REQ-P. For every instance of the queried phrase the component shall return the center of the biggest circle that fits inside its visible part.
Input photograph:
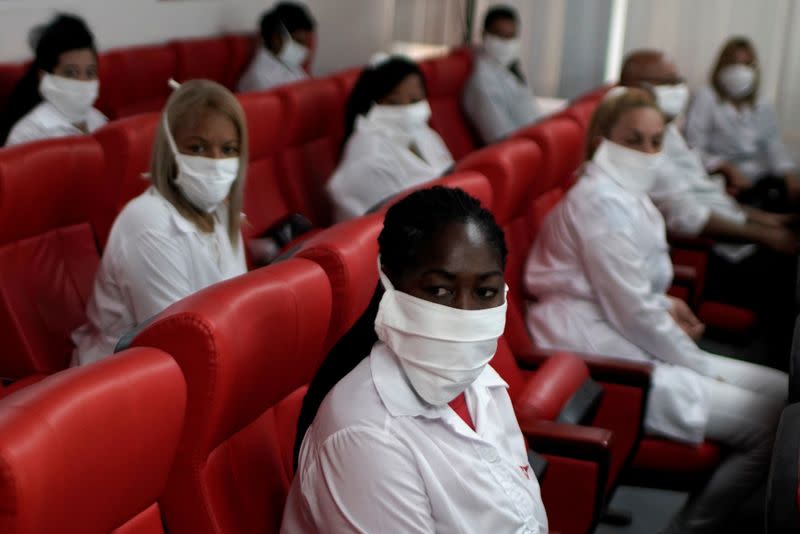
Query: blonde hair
(618, 102)
(727, 56)
(183, 109)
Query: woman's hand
(736, 181)
(686, 319)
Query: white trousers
(746, 403)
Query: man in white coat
(497, 99)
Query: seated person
(182, 234)
(55, 97)
(738, 132)
(286, 39)
(398, 421)
(389, 146)
(693, 204)
(600, 268)
(497, 99)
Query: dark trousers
(769, 193)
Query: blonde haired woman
(182, 234)
(600, 268)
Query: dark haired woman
(412, 430)
(738, 131)
(389, 145)
(55, 97)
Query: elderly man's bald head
(648, 68)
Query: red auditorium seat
(10, 74)
(344, 81)
(561, 140)
(127, 146)
(135, 80)
(245, 346)
(48, 250)
(207, 58)
(445, 78)
(241, 49)
(311, 147)
(88, 450)
(581, 112)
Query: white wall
(351, 32)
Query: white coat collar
(182, 223)
(270, 61)
(400, 398)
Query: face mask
(293, 53)
(672, 99)
(738, 80)
(205, 182)
(441, 349)
(504, 51)
(406, 119)
(633, 170)
(73, 98)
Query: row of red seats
(134, 80)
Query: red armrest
(685, 274)
(602, 368)
(582, 442)
(693, 243)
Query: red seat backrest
(10, 74)
(241, 49)
(561, 140)
(265, 196)
(311, 150)
(127, 146)
(344, 81)
(48, 253)
(473, 183)
(243, 345)
(135, 79)
(88, 450)
(581, 112)
(446, 78)
(207, 58)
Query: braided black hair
(376, 83)
(62, 34)
(408, 228)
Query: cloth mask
(504, 51)
(406, 119)
(635, 171)
(738, 80)
(72, 98)
(205, 182)
(293, 53)
(672, 99)
(441, 349)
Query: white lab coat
(686, 195)
(600, 268)
(267, 71)
(154, 257)
(378, 164)
(496, 102)
(749, 138)
(46, 122)
(379, 459)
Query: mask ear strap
(387, 284)
(168, 134)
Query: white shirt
(686, 195)
(154, 257)
(378, 164)
(379, 459)
(748, 138)
(45, 122)
(267, 71)
(496, 102)
(600, 268)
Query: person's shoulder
(35, 123)
(148, 212)
(597, 198)
(705, 94)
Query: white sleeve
(24, 131)
(698, 126)
(363, 185)
(615, 268)
(483, 108)
(156, 272)
(780, 161)
(682, 213)
(365, 481)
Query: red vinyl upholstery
(581, 112)
(10, 74)
(241, 49)
(561, 141)
(446, 78)
(48, 255)
(344, 81)
(203, 59)
(311, 150)
(127, 145)
(88, 450)
(244, 345)
(135, 79)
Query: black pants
(764, 282)
(769, 193)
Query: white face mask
(293, 53)
(633, 170)
(441, 349)
(504, 51)
(73, 98)
(205, 182)
(672, 99)
(406, 119)
(738, 80)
